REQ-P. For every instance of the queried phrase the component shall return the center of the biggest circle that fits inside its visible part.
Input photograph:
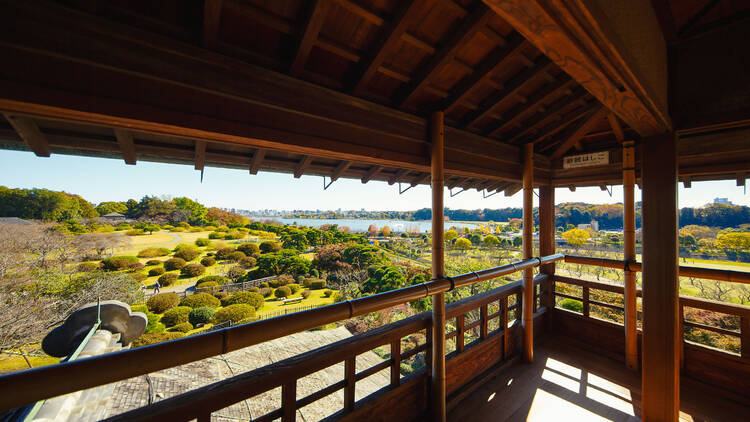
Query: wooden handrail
(34, 384)
(685, 271)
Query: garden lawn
(316, 298)
(12, 363)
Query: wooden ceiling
(397, 60)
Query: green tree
(491, 240)
(105, 208)
(463, 244)
(195, 211)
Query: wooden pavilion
(496, 95)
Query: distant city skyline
(100, 179)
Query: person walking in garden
(156, 287)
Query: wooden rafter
(303, 164)
(340, 169)
(468, 28)
(372, 172)
(127, 147)
(534, 103)
(312, 29)
(400, 174)
(690, 24)
(494, 60)
(394, 32)
(555, 108)
(564, 121)
(423, 178)
(541, 65)
(616, 127)
(200, 154)
(28, 130)
(211, 20)
(257, 161)
(512, 189)
(582, 127)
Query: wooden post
(660, 370)
(631, 319)
(527, 306)
(547, 241)
(437, 391)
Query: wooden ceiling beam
(534, 103)
(371, 173)
(339, 170)
(564, 121)
(594, 51)
(616, 127)
(211, 21)
(582, 128)
(553, 110)
(393, 33)
(200, 154)
(424, 178)
(512, 189)
(400, 174)
(312, 28)
(29, 132)
(303, 164)
(511, 88)
(466, 31)
(360, 11)
(497, 58)
(257, 161)
(127, 147)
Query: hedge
(327, 293)
(249, 249)
(167, 279)
(217, 278)
(572, 305)
(174, 264)
(153, 325)
(117, 263)
(251, 298)
(176, 315)
(305, 294)
(317, 284)
(161, 302)
(223, 253)
(138, 276)
(193, 270)
(215, 235)
(153, 252)
(156, 271)
(183, 327)
(139, 308)
(247, 262)
(208, 261)
(202, 241)
(236, 256)
(85, 267)
(282, 292)
(266, 291)
(270, 246)
(152, 338)
(187, 254)
(201, 315)
(236, 313)
(294, 287)
(200, 299)
(206, 284)
(153, 262)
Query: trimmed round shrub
(153, 252)
(251, 298)
(305, 294)
(282, 292)
(135, 232)
(266, 291)
(206, 284)
(156, 271)
(236, 256)
(221, 295)
(281, 280)
(270, 246)
(177, 229)
(202, 241)
(222, 229)
(327, 293)
(247, 262)
(138, 276)
(174, 264)
(85, 267)
(572, 305)
(176, 315)
(254, 289)
(338, 297)
(167, 279)
(135, 267)
(153, 338)
(219, 279)
(249, 249)
(195, 229)
(117, 263)
(187, 254)
(167, 227)
(200, 299)
(223, 253)
(153, 325)
(314, 273)
(234, 235)
(294, 287)
(235, 313)
(192, 270)
(300, 279)
(208, 261)
(151, 262)
(215, 235)
(183, 327)
(181, 246)
(161, 302)
(201, 315)
(317, 284)
(263, 284)
(139, 308)
(236, 272)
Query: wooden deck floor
(568, 383)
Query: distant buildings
(594, 226)
(723, 201)
(114, 217)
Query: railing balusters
(745, 337)
(396, 362)
(289, 401)
(484, 323)
(350, 367)
(460, 333)
(681, 335)
(586, 304)
(504, 322)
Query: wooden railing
(33, 385)
(740, 311)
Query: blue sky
(99, 179)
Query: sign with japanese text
(586, 160)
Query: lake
(357, 225)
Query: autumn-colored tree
(372, 230)
(450, 235)
(576, 237)
(386, 231)
(463, 243)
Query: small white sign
(586, 160)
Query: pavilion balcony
(578, 371)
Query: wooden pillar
(547, 241)
(660, 374)
(528, 248)
(631, 319)
(437, 391)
